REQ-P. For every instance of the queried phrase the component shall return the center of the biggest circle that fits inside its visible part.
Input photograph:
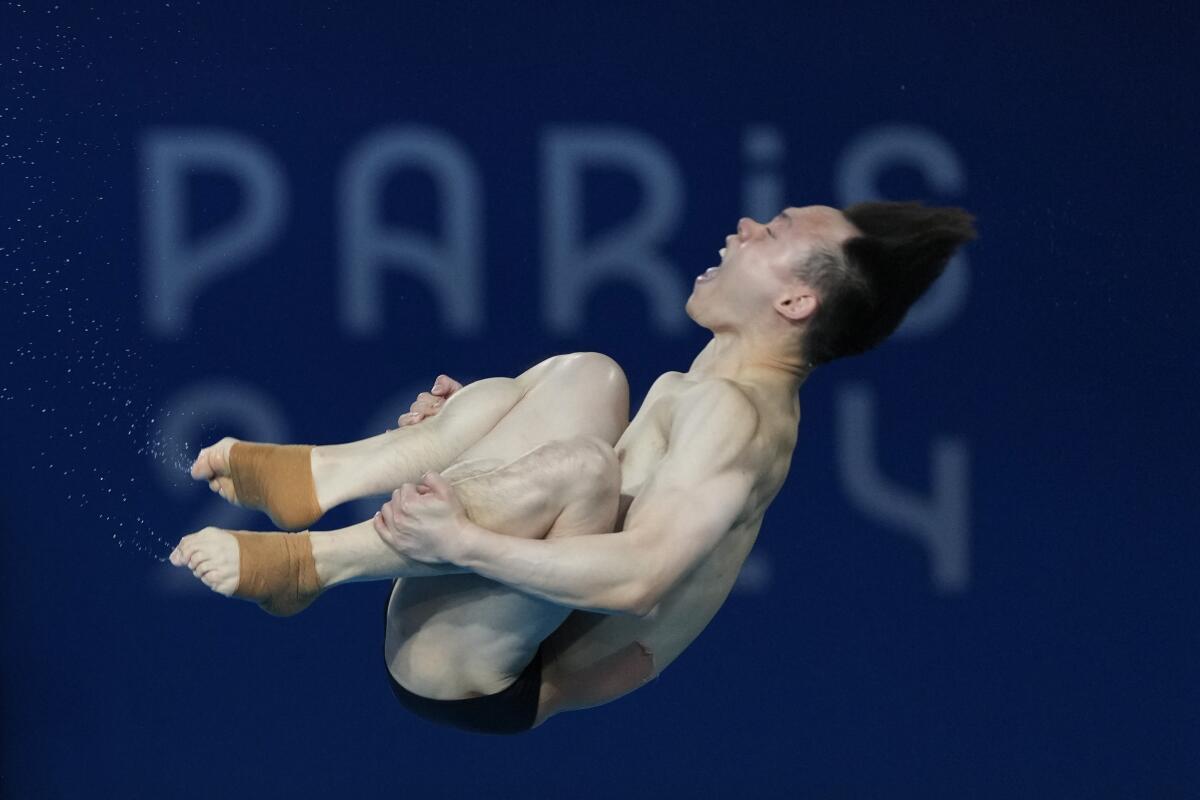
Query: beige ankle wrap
(277, 571)
(276, 479)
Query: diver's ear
(798, 304)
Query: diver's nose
(745, 227)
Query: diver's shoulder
(718, 387)
(727, 395)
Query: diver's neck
(740, 359)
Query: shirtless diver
(549, 554)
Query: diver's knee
(603, 376)
(594, 462)
(591, 476)
(596, 374)
(594, 366)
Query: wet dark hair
(867, 285)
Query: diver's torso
(687, 609)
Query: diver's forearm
(597, 572)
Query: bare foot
(212, 555)
(212, 465)
(276, 479)
(278, 568)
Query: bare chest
(641, 447)
(691, 604)
(586, 638)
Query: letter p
(174, 268)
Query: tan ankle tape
(276, 479)
(277, 571)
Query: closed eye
(770, 234)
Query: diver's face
(758, 261)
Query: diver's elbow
(626, 601)
(643, 602)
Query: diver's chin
(694, 313)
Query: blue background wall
(1030, 630)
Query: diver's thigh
(581, 394)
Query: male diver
(550, 555)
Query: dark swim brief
(512, 710)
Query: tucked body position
(548, 554)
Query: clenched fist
(422, 521)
